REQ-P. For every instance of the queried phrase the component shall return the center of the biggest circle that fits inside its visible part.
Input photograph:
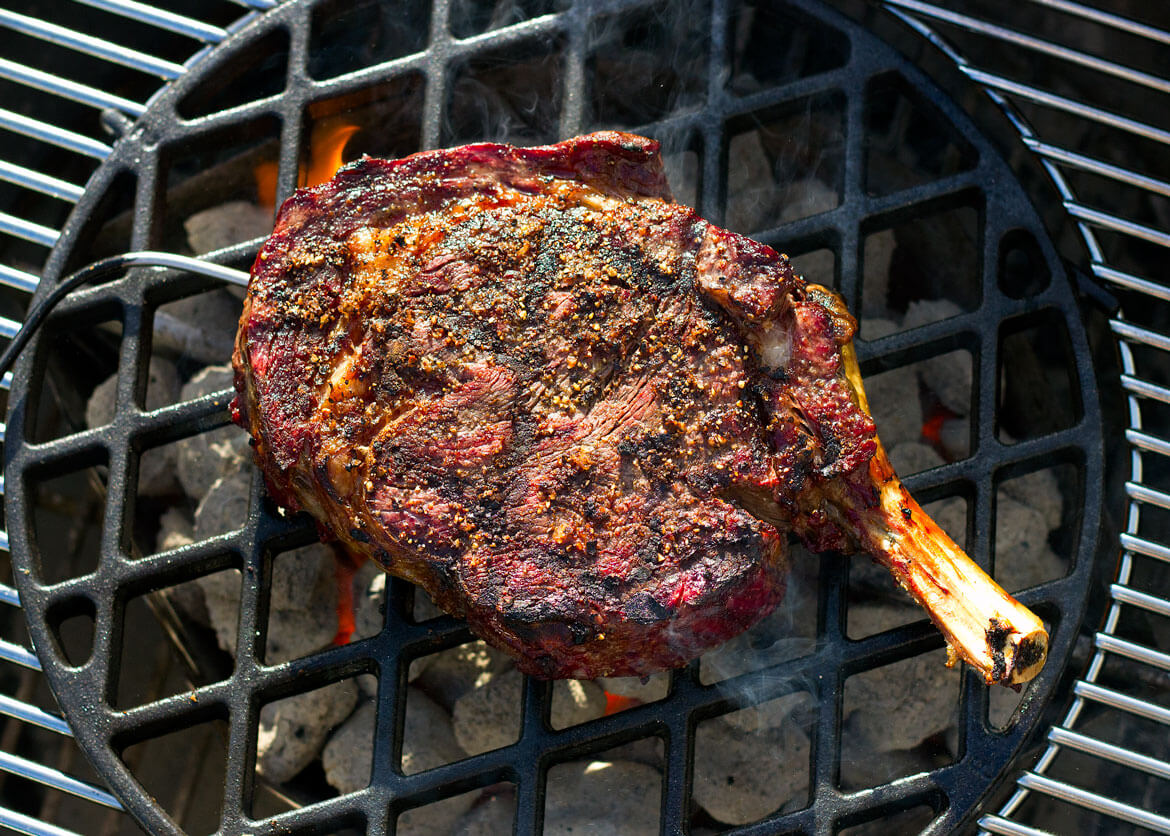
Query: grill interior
(456, 90)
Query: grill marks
(538, 397)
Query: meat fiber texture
(576, 413)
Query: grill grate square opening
(184, 773)
(225, 506)
(788, 633)
(490, 810)
(388, 118)
(304, 602)
(72, 623)
(1003, 705)
(151, 626)
(1037, 393)
(68, 510)
(188, 335)
(219, 188)
(899, 719)
(291, 733)
(1023, 270)
(349, 36)
(907, 141)
(610, 792)
(625, 692)
(785, 163)
(632, 79)
(755, 761)
(1033, 530)
(79, 381)
(240, 78)
(932, 271)
(428, 734)
(775, 45)
(922, 409)
(506, 95)
(446, 676)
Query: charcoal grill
(280, 51)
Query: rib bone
(996, 634)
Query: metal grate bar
(1107, 221)
(9, 596)
(1095, 166)
(16, 654)
(1140, 599)
(43, 183)
(31, 714)
(1140, 493)
(1137, 334)
(1140, 545)
(1007, 827)
(27, 824)
(8, 329)
(90, 45)
(1107, 751)
(1094, 801)
(1131, 282)
(27, 230)
(18, 279)
(55, 778)
(1145, 389)
(53, 135)
(1123, 702)
(1132, 650)
(180, 24)
(982, 27)
(1123, 24)
(1145, 441)
(73, 90)
(1043, 97)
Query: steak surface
(577, 414)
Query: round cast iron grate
(785, 121)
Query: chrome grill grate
(1141, 329)
(67, 159)
(1118, 654)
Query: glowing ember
(932, 426)
(344, 570)
(615, 703)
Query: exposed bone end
(983, 625)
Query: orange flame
(326, 145)
(327, 141)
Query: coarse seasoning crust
(577, 414)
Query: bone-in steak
(576, 413)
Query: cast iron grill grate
(711, 112)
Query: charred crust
(997, 635)
(1029, 653)
(553, 412)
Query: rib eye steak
(577, 414)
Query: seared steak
(576, 413)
